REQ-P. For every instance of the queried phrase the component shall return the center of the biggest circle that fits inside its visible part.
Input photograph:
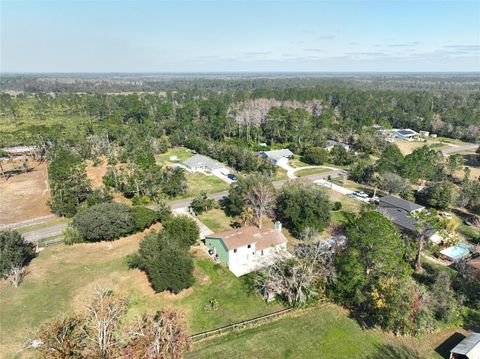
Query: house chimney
(278, 226)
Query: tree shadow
(444, 348)
(389, 351)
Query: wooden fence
(239, 325)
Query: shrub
(144, 217)
(14, 251)
(71, 235)
(201, 203)
(337, 206)
(163, 210)
(104, 222)
(182, 230)
(169, 266)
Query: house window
(235, 250)
(261, 252)
(249, 246)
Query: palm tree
(247, 216)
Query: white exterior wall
(247, 260)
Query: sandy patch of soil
(25, 196)
(95, 174)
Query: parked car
(232, 176)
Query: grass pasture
(324, 332)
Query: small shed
(468, 348)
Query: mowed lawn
(216, 220)
(62, 277)
(323, 332)
(182, 154)
(311, 171)
(199, 182)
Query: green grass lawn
(199, 182)
(216, 220)
(181, 152)
(297, 162)
(323, 332)
(280, 175)
(311, 171)
(61, 277)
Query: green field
(61, 277)
(198, 182)
(324, 332)
(311, 171)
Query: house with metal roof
(405, 134)
(244, 250)
(400, 211)
(395, 202)
(468, 348)
(200, 163)
(278, 157)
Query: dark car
(232, 176)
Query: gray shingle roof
(390, 201)
(277, 154)
(200, 161)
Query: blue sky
(200, 36)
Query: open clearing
(61, 277)
(407, 147)
(24, 196)
(95, 173)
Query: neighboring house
(278, 157)
(243, 250)
(400, 211)
(424, 133)
(405, 134)
(468, 348)
(200, 163)
(331, 144)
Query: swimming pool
(456, 252)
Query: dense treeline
(178, 82)
(305, 115)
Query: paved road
(29, 222)
(47, 232)
(56, 230)
(450, 150)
